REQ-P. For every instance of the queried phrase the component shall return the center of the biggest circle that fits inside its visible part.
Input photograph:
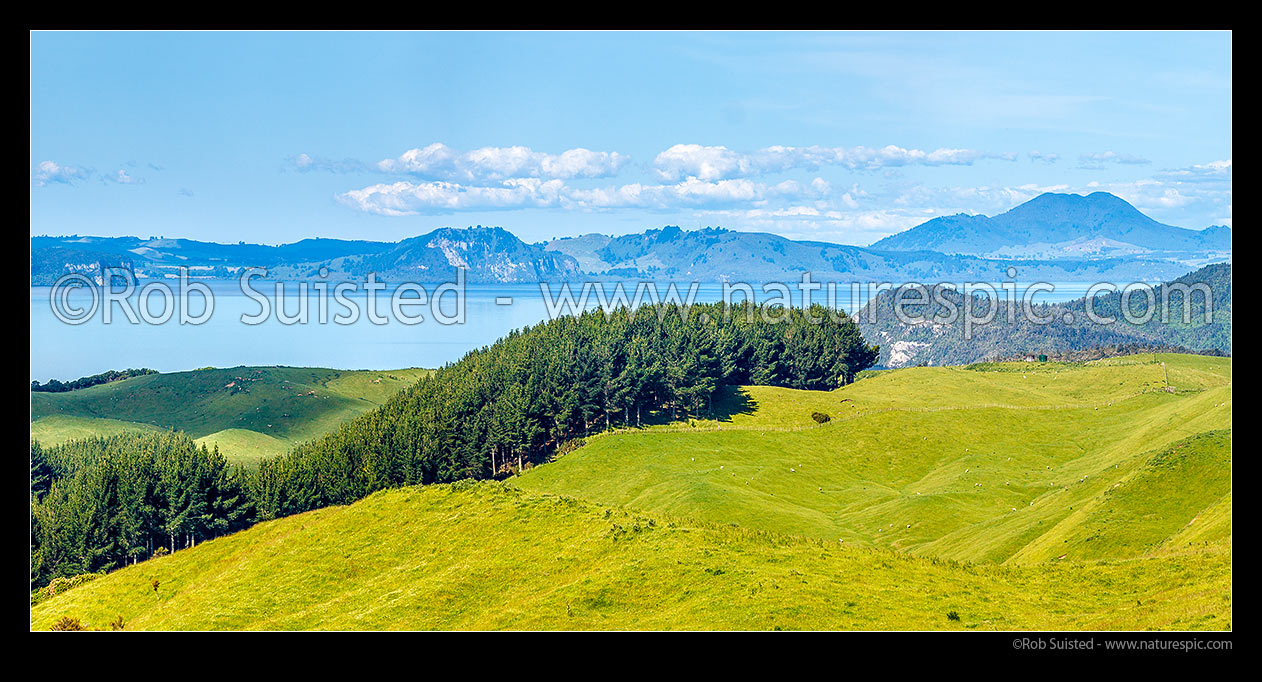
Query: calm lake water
(65, 351)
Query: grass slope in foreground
(488, 556)
(1011, 463)
(1083, 496)
(249, 412)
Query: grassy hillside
(59, 428)
(1148, 508)
(486, 556)
(1017, 496)
(250, 412)
(996, 463)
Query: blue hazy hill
(1062, 226)
(1057, 237)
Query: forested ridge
(101, 503)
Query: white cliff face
(452, 250)
(484, 257)
(903, 352)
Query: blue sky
(275, 137)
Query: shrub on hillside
(820, 417)
(67, 624)
(569, 446)
(59, 585)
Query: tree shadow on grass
(728, 402)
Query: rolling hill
(486, 556)
(1088, 495)
(913, 461)
(249, 412)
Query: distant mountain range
(1063, 226)
(489, 255)
(1057, 237)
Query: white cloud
(48, 172)
(493, 164)
(51, 172)
(701, 162)
(123, 178)
(715, 182)
(718, 163)
(1146, 194)
(858, 227)
(690, 192)
(306, 163)
(1192, 196)
(1214, 171)
(406, 198)
(1098, 160)
(580, 163)
(984, 199)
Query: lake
(68, 351)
